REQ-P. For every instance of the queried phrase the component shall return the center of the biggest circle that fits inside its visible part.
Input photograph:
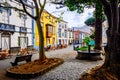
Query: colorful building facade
(70, 36)
(62, 33)
(49, 23)
(79, 35)
(15, 27)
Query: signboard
(7, 27)
(23, 29)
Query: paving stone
(71, 69)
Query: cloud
(73, 18)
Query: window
(53, 30)
(5, 42)
(62, 34)
(62, 26)
(19, 0)
(76, 36)
(65, 34)
(50, 29)
(59, 25)
(1, 9)
(69, 34)
(23, 42)
(59, 32)
(65, 26)
(5, 16)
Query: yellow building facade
(49, 25)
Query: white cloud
(73, 18)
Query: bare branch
(25, 10)
(44, 3)
(36, 8)
(42, 8)
(40, 3)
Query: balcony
(49, 31)
(49, 35)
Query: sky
(73, 18)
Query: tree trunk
(98, 27)
(42, 56)
(115, 39)
(107, 11)
(119, 21)
(113, 36)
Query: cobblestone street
(71, 69)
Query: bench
(26, 58)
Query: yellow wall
(46, 19)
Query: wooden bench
(26, 58)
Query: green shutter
(27, 40)
(19, 41)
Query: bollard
(89, 48)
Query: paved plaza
(71, 69)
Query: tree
(111, 9)
(79, 5)
(98, 25)
(38, 8)
(90, 21)
(112, 63)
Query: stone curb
(32, 75)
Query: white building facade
(15, 27)
(70, 36)
(104, 28)
(62, 33)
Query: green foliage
(84, 48)
(79, 5)
(86, 40)
(90, 21)
(92, 36)
(103, 17)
